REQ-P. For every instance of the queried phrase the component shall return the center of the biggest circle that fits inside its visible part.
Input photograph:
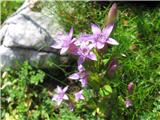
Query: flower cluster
(84, 48)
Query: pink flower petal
(65, 89)
(81, 60)
(58, 89)
(59, 102)
(107, 31)
(57, 45)
(112, 41)
(81, 68)
(54, 98)
(83, 82)
(62, 37)
(82, 97)
(73, 40)
(86, 37)
(92, 56)
(95, 29)
(100, 45)
(71, 33)
(74, 76)
(65, 97)
(63, 50)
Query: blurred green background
(8, 8)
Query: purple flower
(102, 37)
(65, 42)
(60, 95)
(84, 81)
(130, 87)
(113, 64)
(79, 96)
(128, 103)
(81, 75)
(85, 52)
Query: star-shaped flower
(79, 96)
(100, 38)
(85, 52)
(60, 95)
(81, 75)
(65, 42)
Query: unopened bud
(71, 107)
(112, 14)
(113, 64)
(130, 87)
(128, 103)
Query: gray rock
(9, 57)
(28, 35)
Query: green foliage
(8, 8)
(105, 91)
(25, 96)
(78, 14)
(20, 95)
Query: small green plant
(18, 90)
(8, 8)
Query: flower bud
(112, 14)
(71, 107)
(113, 64)
(130, 87)
(128, 103)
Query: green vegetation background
(8, 8)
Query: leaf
(37, 78)
(105, 61)
(105, 91)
